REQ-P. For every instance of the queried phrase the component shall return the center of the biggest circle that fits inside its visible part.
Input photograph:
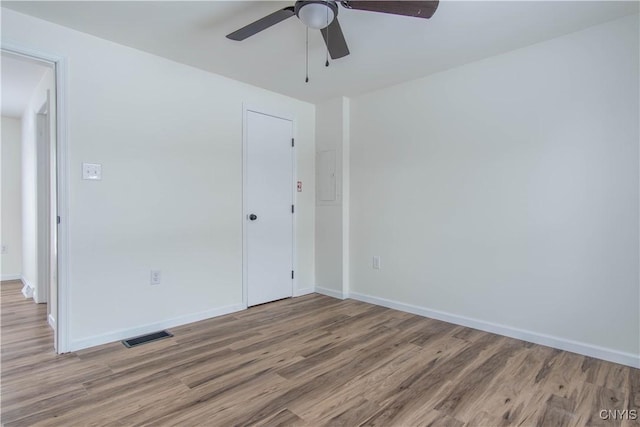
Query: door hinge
(293, 144)
(293, 209)
(291, 274)
(58, 219)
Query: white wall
(11, 198)
(169, 138)
(329, 213)
(332, 135)
(504, 193)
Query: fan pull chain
(326, 64)
(306, 80)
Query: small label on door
(299, 186)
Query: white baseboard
(6, 277)
(52, 322)
(585, 349)
(152, 327)
(27, 288)
(304, 291)
(330, 292)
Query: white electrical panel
(327, 176)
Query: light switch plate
(92, 171)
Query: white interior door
(268, 208)
(47, 259)
(43, 203)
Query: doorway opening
(31, 106)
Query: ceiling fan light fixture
(316, 14)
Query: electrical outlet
(4, 249)
(155, 277)
(92, 171)
(376, 262)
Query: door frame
(61, 149)
(246, 108)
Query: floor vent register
(133, 342)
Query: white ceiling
(20, 77)
(385, 49)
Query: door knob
(253, 217)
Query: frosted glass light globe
(314, 15)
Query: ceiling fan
(323, 15)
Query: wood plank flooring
(312, 361)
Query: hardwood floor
(312, 361)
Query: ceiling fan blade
(262, 24)
(334, 39)
(417, 9)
